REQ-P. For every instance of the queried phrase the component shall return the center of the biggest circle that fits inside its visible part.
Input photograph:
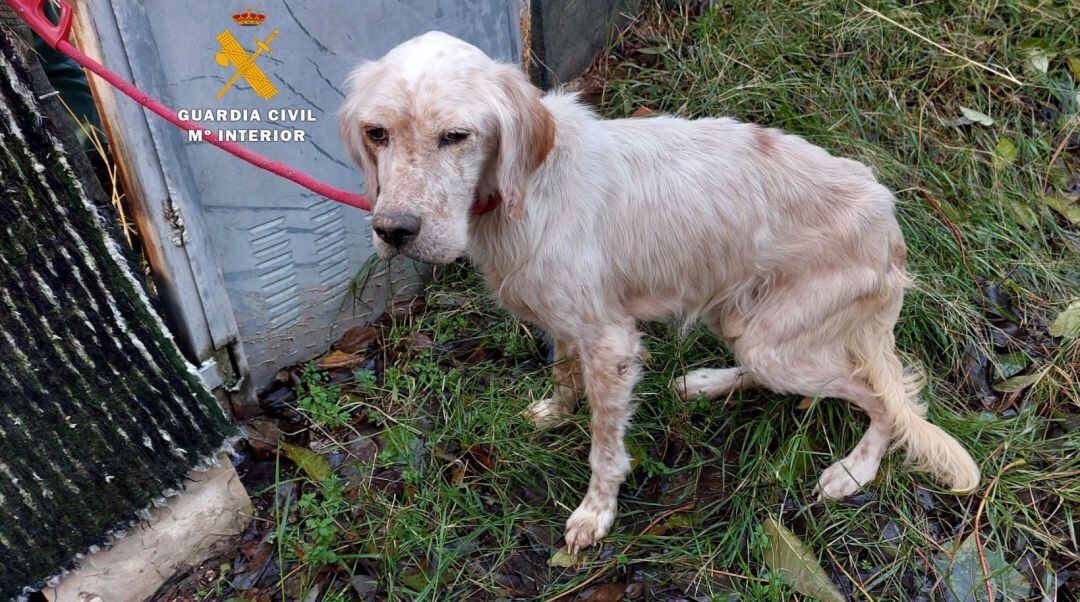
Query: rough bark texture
(99, 414)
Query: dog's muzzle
(396, 229)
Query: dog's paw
(844, 478)
(588, 525)
(547, 413)
(710, 382)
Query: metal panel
(280, 257)
(565, 37)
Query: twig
(719, 572)
(978, 516)
(849, 576)
(1057, 153)
(957, 236)
(940, 47)
(603, 571)
(922, 112)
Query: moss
(99, 414)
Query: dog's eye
(452, 137)
(377, 135)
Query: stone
(195, 525)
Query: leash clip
(33, 13)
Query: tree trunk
(99, 414)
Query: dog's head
(436, 125)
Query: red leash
(33, 12)
(56, 35)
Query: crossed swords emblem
(233, 53)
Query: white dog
(791, 256)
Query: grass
(441, 490)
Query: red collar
(486, 205)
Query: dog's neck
(499, 243)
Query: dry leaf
(564, 559)
(339, 359)
(789, 556)
(1068, 208)
(315, 466)
(1067, 323)
(965, 578)
(359, 338)
(976, 117)
(1018, 383)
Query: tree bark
(99, 414)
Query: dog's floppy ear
(526, 135)
(358, 92)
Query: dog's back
(699, 212)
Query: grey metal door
(255, 270)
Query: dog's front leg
(611, 365)
(566, 375)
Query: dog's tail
(929, 448)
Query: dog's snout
(396, 229)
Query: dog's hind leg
(568, 388)
(860, 466)
(876, 383)
(712, 382)
(611, 364)
(822, 377)
(890, 398)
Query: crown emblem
(249, 18)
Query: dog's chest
(509, 295)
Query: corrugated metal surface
(263, 261)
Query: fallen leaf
(965, 579)
(564, 559)
(417, 341)
(1004, 153)
(1039, 59)
(677, 521)
(263, 435)
(638, 453)
(315, 466)
(257, 554)
(789, 556)
(408, 307)
(339, 359)
(605, 592)
(1012, 364)
(1067, 207)
(1018, 383)
(414, 578)
(480, 455)
(359, 338)
(364, 586)
(974, 116)
(1074, 66)
(1025, 216)
(1067, 323)
(643, 112)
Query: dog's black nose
(396, 229)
